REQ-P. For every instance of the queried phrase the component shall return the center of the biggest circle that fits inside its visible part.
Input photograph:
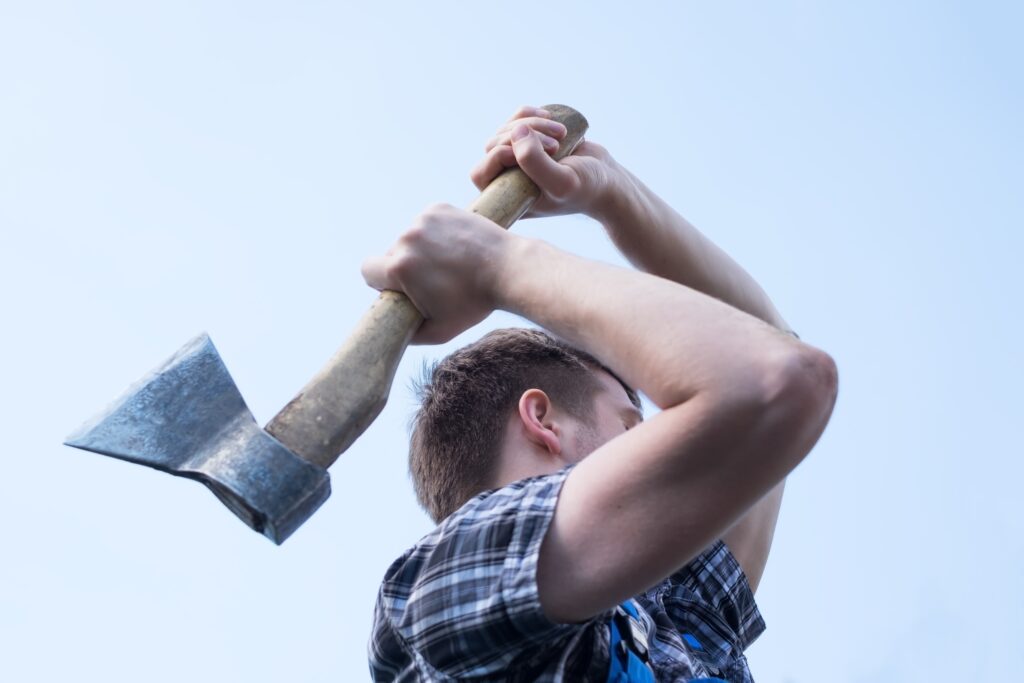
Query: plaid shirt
(463, 603)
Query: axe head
(188, 418)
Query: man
(576, 541)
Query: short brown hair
(467, 397)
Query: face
(614, 413)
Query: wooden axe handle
(348, 393)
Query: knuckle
(400, 265)
(406, 241)
(418, 225)
(416, 233)
(493, 159)
(430, 215)
(429, 220)
(504, 158)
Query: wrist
(516, 258)
(504, 262)
(618, 199)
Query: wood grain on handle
(348, 393)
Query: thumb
(552, 177)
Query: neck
(522, 462)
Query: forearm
(668, 340)
(657, 240)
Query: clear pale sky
(173, 167)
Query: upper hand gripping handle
(348, 393)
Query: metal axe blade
(188, 418)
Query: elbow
(798, 396)
(812, 381)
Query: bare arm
(656, 240)
(741, 406)
(741, 402)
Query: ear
(537, 417)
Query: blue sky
(168, 168)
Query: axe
(188, 418)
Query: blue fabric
(625, 665)
(692, 642)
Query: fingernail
(550, 141)
(520, 132)
(543, 112)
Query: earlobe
(535, 413)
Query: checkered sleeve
(465, 599)
(711, 603)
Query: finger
(551, 176)
(505, 138)
(379, 274)
(375, 273)
(434, 331)
(430, 332)
(527, 110)
(496, 161)
(553, 129)
(550, 126)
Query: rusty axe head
(188, 418)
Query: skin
(656, 240)
(741, 402)
(542, 439)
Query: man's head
(511, 377)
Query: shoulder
(498, 522)
(471, 583)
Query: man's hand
(446, 264)
(581, 183)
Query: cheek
(589, 439)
